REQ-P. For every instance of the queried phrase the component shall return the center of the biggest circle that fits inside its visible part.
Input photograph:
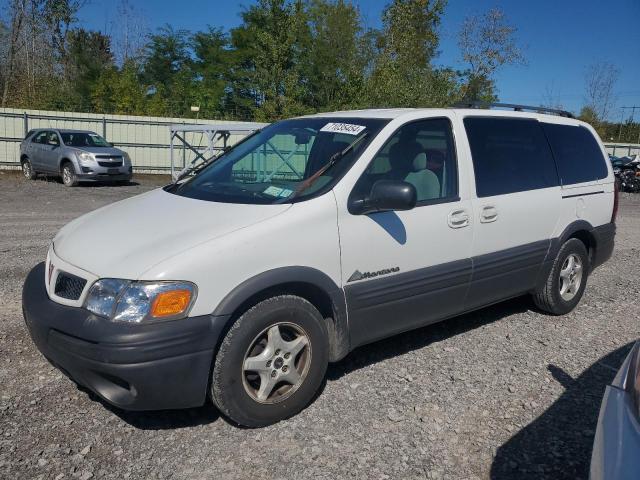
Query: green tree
(120, 91)
(336, 63)
(88, 55)
(129, 93)
(487, 43)
(167, 72)
(403, 75)
(211, 68)
(268, 75)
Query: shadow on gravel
(53, 179)
(161, 419)
(415, 339)
(170, 419)
(558, 443)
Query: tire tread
(544, 297)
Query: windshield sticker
(273, 191)
(285, 192)
(347, 128)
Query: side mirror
(385, 195)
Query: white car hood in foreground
(127, 238)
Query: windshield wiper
(335, 158)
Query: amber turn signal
(170, 303)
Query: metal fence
(145, 139)
(623, 149)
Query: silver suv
(75, 155)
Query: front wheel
(567, 280)
(69, 177)
(271, 362)
(27, 170)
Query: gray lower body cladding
(392, 304)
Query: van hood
(127, 238)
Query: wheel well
(63, 162)
(589, 242)
(310, 292)
(23, 157)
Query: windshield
(276, 164)
(83, 139)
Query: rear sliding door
(516, 206)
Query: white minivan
(311, 237)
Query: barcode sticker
(347, 128)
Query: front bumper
(616, 445)
(98, 173)
(163, 365)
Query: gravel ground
(505, 392)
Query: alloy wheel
(570, 277)
(66, 175)
(276, 363)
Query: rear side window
(509, 155)
(577, 153)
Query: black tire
(69, 177)
(548, 298)
(27, 170)
(229, 384)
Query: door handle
(458, 219)
(488, 214)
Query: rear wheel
(567, 280)
(27, 169)
(271, 362)
(69, 177)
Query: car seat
(424, 180)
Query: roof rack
(515, 107)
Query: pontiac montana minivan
(315, 235)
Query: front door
(37, 152)
(404, 269)
(50, 152)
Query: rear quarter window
(509, 155)
(577, 153)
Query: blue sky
(560, 38)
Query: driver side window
(421, 153)
(40, 137)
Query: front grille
(112, 157)
(69, 286)
(110, 164)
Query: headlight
(136, 302)
(85, 157)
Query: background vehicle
(312, 237)
(74, 155)
(617, 440)
(629, 180)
